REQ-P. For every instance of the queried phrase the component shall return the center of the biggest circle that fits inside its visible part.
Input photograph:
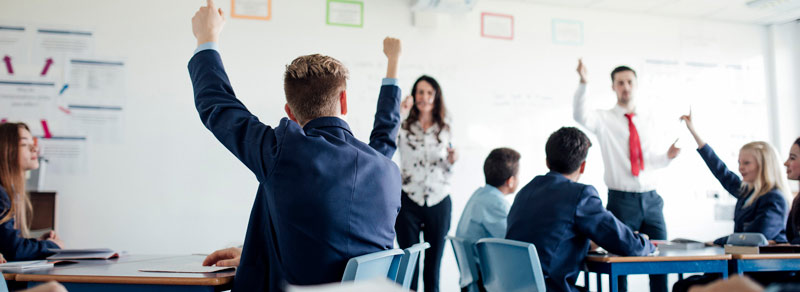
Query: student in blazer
(18, 154)
(323, 196)
(760, 205)
(560, 216)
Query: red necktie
(637, 161)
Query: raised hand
(581, 70)
(392, 49)
(207, 23)
(406, 105)
(690, 125)
(452, 155)
(673, 151)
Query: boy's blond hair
(312, 84)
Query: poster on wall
(567, 32)
(497, 26)
(345, 13)
(251, 9)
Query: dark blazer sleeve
(729, 180)
(387, 121)
(597, 223)
(251, 141)
(15, 248)
(770, 216)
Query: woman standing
(427, 157)
(18, 154)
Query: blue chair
(467, 263)
(3, 285)
(408, 263)
(382, 264)
(509, 265)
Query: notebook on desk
(83, 254)
(678, 244)
(22, 266)
(766, 249)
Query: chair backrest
(465, 258)
(3, 285)
(509, 265)
(374, 265)
(408, 263)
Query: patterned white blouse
(423, 162)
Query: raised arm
(387, 116)
(597, 223)
(729, 180)
(583, 116)
(220, 111)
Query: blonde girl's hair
(770, 173)
(12, 178)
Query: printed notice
(51, 47)
(22, 100)
(13, 49)
(94, 97)
(251, 9)
(567, 32)
(499, 26)
(65, 155)
(345, 13)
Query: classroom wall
(784, 44)
(169, 187)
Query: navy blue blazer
(767, 215)
(323, 196)
(12, 246)
(559, 217)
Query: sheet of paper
(567, 32)
(14, 44)
(27, 101)
(94, 96)
(495, 25)
(345, 13)
(251, 9)
(65, 155)
(185, 268)
(52, 47)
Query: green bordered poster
(345, 13)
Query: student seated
(793, 173)
(18, 154)
(560, 216)
(760, 205)
(486, 211)
(323, 196)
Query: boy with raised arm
(324, 196)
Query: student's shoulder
(773, 196)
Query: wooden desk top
(706, 254)
(125, 270)
(766, 256)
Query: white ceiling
(760, 11)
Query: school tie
(637, 161)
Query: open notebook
(83, 254)
(21, 266)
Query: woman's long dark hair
(439, 110)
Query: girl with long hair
(18, 154)
(761, 190)
(793, 173)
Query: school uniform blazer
(559, 217)
(323, 196)
(767, 215)
(12, 246)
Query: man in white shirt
(629, 156)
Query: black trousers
(434, 223)
(643, 212)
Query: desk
(122, 275)
(707, 260)
(765, 262)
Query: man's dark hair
(566, 149)
(621, 69)
(500, 165)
